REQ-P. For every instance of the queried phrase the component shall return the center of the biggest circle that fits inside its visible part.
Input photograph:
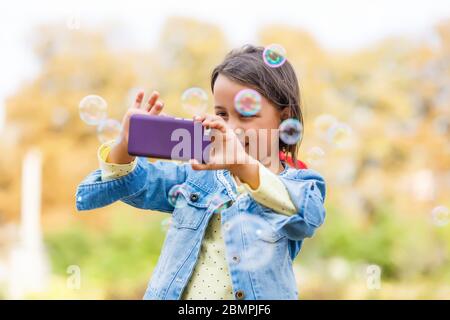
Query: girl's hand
(119, 153)
(227, 152)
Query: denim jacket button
(235, 259)
(239, 295)
(194, 197)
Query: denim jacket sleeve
(306, 189)
(146, 187)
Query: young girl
(236, 226)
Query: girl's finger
(205, 117)
(157, 108)
(139, 98)
(199, 118)
(205, 166)
(151, 101)
(196, 165)
(211, 118)
(214, 125)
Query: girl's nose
(240, 134)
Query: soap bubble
(219, 204)
(195, 101)
(108, 130)
(291, 131)
(339, 268)
(315, 155)
(340, 135)
(165, 224)
(247, 102)
(274, 55)
(176, 197)
(440, 216)
(216, 201)
(260, 235)
(93, 109)
(323, 123)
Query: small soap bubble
(108, 130)
(216, 201)
(440, 216)
(274, 55)
(339, 135)
(291, 131)
(315, 155)
(338, 268)
(247, 102)
(93, 109)
(219, 204)
(323, 123)
(195, 101)
(176, 197)
(261, 235)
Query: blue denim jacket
(147, 187)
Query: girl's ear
(285, 114)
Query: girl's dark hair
(278, 85)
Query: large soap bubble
(93, 109)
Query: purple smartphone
(166, 137)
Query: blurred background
(375, 82)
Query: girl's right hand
(119, 153)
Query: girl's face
(263, 123)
